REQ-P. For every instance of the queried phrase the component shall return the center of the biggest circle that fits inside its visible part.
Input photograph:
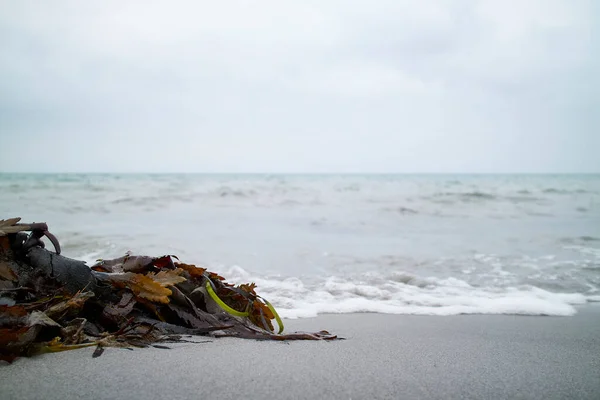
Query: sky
(340, 86)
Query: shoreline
(382, 356)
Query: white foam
(586, 250)
(401, 293)
(89, 258)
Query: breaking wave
(466, 196)
(402, 293)
(564, 191)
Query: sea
(397, 244)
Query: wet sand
(383, 356)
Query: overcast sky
(299, 86)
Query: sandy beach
(383, 356)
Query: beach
(413, 182)
(382, 356)
(443, 286)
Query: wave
(478, 195)
(564, 191)
(349, 188)
(403, 293)
(524, 196)
(226, 191)
(524, 199)
(401, 210)
(580, 240)
(475, 195)
(137, 200)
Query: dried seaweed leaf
(164, 262)
(122, 309)
(12, 338)
(144, 287)
(74, 331)
(71, 305)
(141, 285)
(127, 263)
(195, 272)
(168, 277)
(9, 222)
(56, 345)
(39, 318)
(7, 273)
(195, 321)
(9, 226)
(13, 316)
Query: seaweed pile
(51, 303)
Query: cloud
(337, 86)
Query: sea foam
(412, 295)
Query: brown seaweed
(50, 303)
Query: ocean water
(401, 244)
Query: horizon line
(292, 173)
